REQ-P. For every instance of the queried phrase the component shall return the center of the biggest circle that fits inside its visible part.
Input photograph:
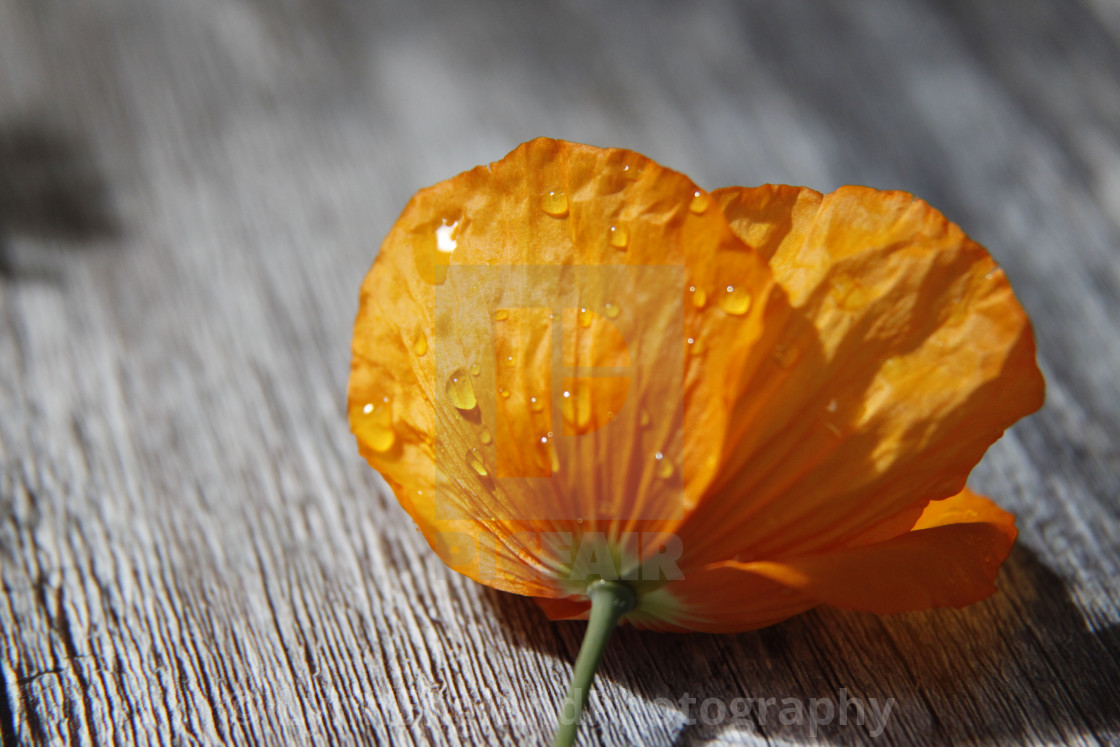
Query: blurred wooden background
(191, 550)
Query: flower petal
(810, 408)
(950, 559)
(458, 327)
(906, 357)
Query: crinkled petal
(576, 349)
(906, 357)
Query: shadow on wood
(50, 187)
(1019, 666)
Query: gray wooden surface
(191, 550)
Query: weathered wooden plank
(190, 548)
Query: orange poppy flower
(574, 365)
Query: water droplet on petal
(786, 355)
(420, 347)
(567, 394)
(375, 426)
(699, 202)
(485, 436)
(579, 519)
(643, 419)
(501, 315)
(611, 311)
(620, 237)
(699, 297)
(584, 318)
(444, 241)
(509, 360)
(535, 404)
(476, 463)
(555, 204)
(431, 251)
(475, 370)
(504, 393)
(735, 301)
(664, 466)
(460, 391)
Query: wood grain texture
(191, 551)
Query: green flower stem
(610, 600)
